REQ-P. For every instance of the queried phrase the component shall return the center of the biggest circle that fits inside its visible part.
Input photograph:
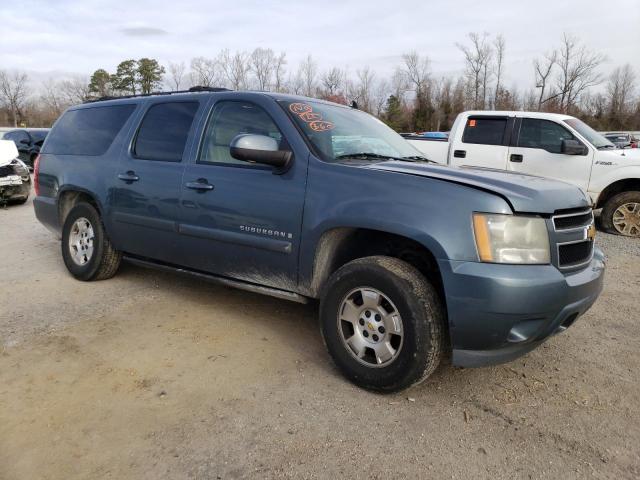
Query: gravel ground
(151, 375)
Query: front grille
(574, 254)
(6, 170)
(574, 220)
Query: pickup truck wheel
(621, 214)
(86, 250)
(383, 323)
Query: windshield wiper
(364, 156)
(377, 156)
(605, 146)
(417, 158)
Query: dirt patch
(152, 375)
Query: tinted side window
(164, 130)
(484, 130)
(87, 131)
(544, 134)
(230, 119)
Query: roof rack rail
(194, 89)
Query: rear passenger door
(537, 150)
(241, 220)
(483, 143)
(146, 197)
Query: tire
(402, 292)
(84, 226)
(625, 205)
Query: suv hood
(525, 193)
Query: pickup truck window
(484, 130)
(593, 137)
(543, 134)
(335, 132)
(87, 131)
(164, 130)
(232, 118)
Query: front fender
(435, 213)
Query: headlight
(511, 238)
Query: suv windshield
(339, 132)
(593, 137)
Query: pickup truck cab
(303, 199)
(549, 145)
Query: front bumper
(15, 190)
(500, 312)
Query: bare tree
(308, 71)
(620, 90)
(235, 67)
(205, 72)
(499, 47)
(13, 92)
(379, 96)
(416, 71)
(52, 97)
(333, 81)
(75, 90)
(477, 58)
(578, 71)
(278, 72)
(543, 69)
(262, 63)
(176, 74)
(399, 84)
(364, 87)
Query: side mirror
(25, 142)
(260, 149)
(573, 147)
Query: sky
(60, 37)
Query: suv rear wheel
(383, 323)
(86, 250)
(621, 214)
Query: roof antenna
(354, 104)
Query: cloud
(143, 31)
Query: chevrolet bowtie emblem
(370, 326)
(591, 232)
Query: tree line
(568, 79)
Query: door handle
(201, 185)
(516, 158)
(460, 153)
(129, 176)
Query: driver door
(537, 150)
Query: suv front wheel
(86, 249)
(383, 323)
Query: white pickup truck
(547, 145)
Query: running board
(228, 282)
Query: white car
(548, 145)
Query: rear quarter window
(484, 130)
(87, 131)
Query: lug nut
(378, 318)
(367, 314)
(381, 329)
(361, 322)
(365, 333)
(375, 337)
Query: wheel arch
(340, 245)
(619, 186)
(70, 197)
